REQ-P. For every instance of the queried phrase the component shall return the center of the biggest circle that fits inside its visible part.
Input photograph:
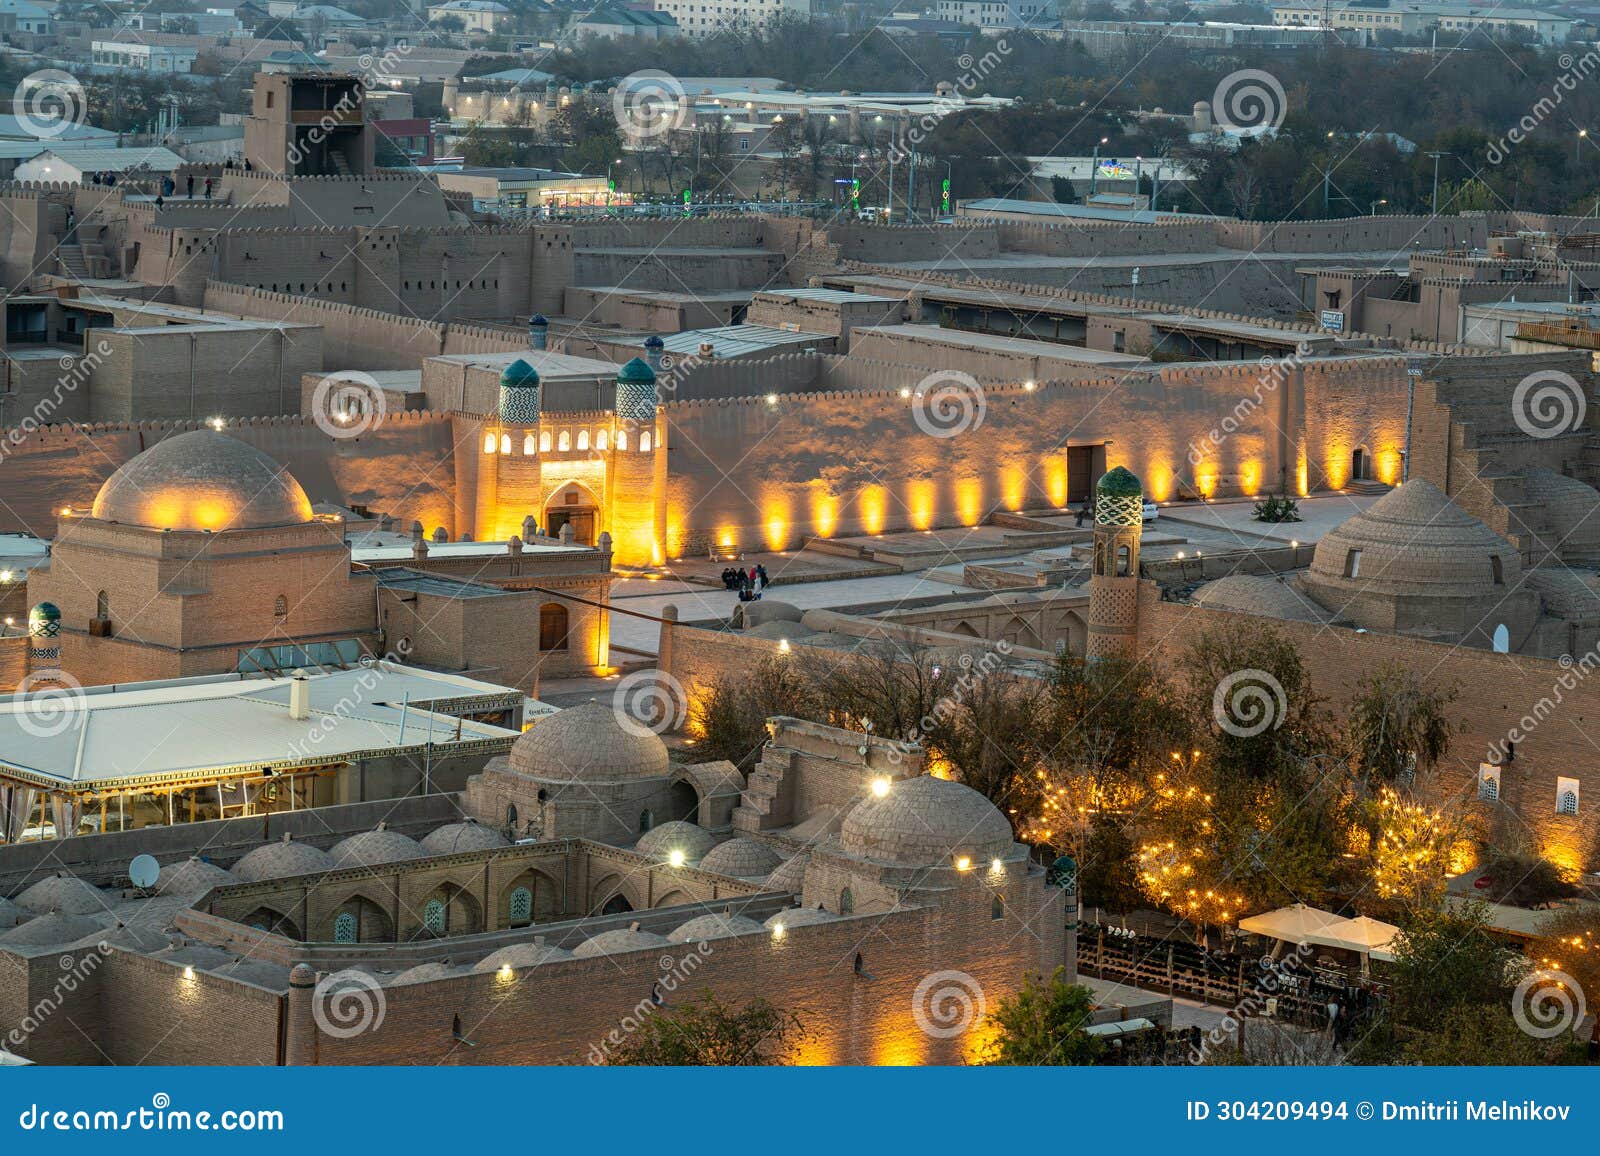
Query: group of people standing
(749, 583)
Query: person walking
(208, 188)
(189, 186)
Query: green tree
(1397, 727)
(708, 1033)
(1043, 1024)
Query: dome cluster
(588, 744)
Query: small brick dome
(522, 955)
(742, 858)
(468, 835)
(282, 860)
(619, 941)
(717, 925)
(661, 841)
(65, 894)
(926, 822)
(790, 874)
(376, 847)
(799, 917)
(202, 480)
(423, 972)
(192, 876)
(48, 930)
(588, 743)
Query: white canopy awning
(1368, 936)
(1296, 924)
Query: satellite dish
(144, 870)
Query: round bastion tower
(634, 493)
(1114, 580)
(508, 483)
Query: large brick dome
(202, 480)
(588, 743)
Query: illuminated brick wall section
(1496, 692)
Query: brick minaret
(636, 510)
(1114, 583)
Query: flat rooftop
(205, 728)
(999, 343)
(389, 546)
(551, 366)
(739, 340)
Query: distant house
(475, 15)
(133, 56)
(612, 23)
(72, 165)
(28, 17)
(292, 60)
(328, 16)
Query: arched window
(528, 445)
(1100, 559)
(544, 441)
(583, 439)
(564, 441)
(861, 964)
(1352, 564)
(521, 907)
(1124, 561)
(1496, 570)
(433, 916)
(644, 441)
(622, 439)
(344, 928)
(280, 607)
(489, 443)
(552, 626)
(1568, 804)
(505, 443)
(997, 908)
(847, 902)
(600, 440)
(102, 605)
(1502, 640)
(647, 819)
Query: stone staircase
(71, 260)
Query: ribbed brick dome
(283, 860)
(202, 480)
(926, 822)
(588, 743)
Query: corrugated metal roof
(736, 340)
(117, 160)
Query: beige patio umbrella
(1294, 924)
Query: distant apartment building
(706, 17)
(1419, 19)
(475, 15)
(135, 57)
(612, 23)
(998, 13)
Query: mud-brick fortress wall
(355, 337)
(1494, 693)
(857, 461)
(404, 466)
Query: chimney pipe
(299, 695)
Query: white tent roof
(1369, 936)
(1297, 924)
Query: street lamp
(1577, 145)
(1094, 165)
(1375, 204)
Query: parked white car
(1151, 511)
